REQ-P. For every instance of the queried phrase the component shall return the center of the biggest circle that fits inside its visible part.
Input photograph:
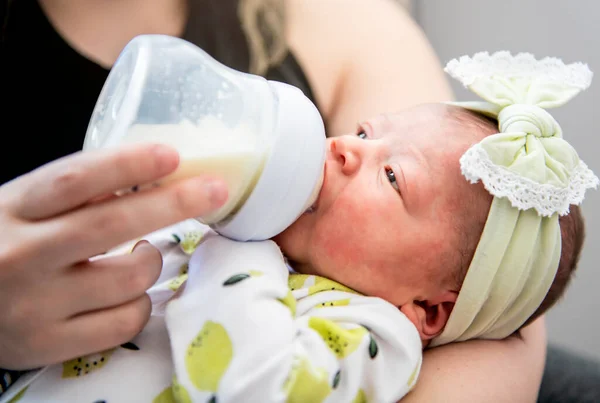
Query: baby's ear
(430, 316)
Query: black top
(49, 90)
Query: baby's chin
(285, 242)
(294, 248)
(293, 240)
(279, 239)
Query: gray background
(566, 29)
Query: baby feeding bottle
(264, 138)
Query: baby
(399, 253)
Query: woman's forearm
(480, 371)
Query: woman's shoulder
(359, 56)
(328, 36)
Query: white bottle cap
(292, 174)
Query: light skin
(378, 61)
(385, 216)
(54, 218)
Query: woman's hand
(55, 303)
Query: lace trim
(523, 193)
(483, 65)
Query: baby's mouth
(315, 206)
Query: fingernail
(217, 192)
(139, 243)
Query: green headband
(534, 176)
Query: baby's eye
(389, 172)
(362, 135)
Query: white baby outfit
(243, 330)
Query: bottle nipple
(310, 205)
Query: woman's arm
(478, 371)
(363, 58)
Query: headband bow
(528, 120)
(534, 176)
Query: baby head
(397, 219)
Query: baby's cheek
(345, 238)
(343, 247)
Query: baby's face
(384, 220)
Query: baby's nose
(348, 150)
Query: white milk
(206, 149)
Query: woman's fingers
(101, 330)
(86, 334)
(97, 228)
(109, 281)
(74, 180)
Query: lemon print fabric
(360, 397)
(339, 302)
(189, 241)
(18, 396)
(238, 278)
(324, 284)
(84, 365)
(166, 396)
(208, 356)
(182, 276)
(342, 342)
(173, 394)
(303, 286)
(306, 383)
(290, 301)
(315, 284)
(179, 392)
(296, 281)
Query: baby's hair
(469, 223)
(470, 226)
